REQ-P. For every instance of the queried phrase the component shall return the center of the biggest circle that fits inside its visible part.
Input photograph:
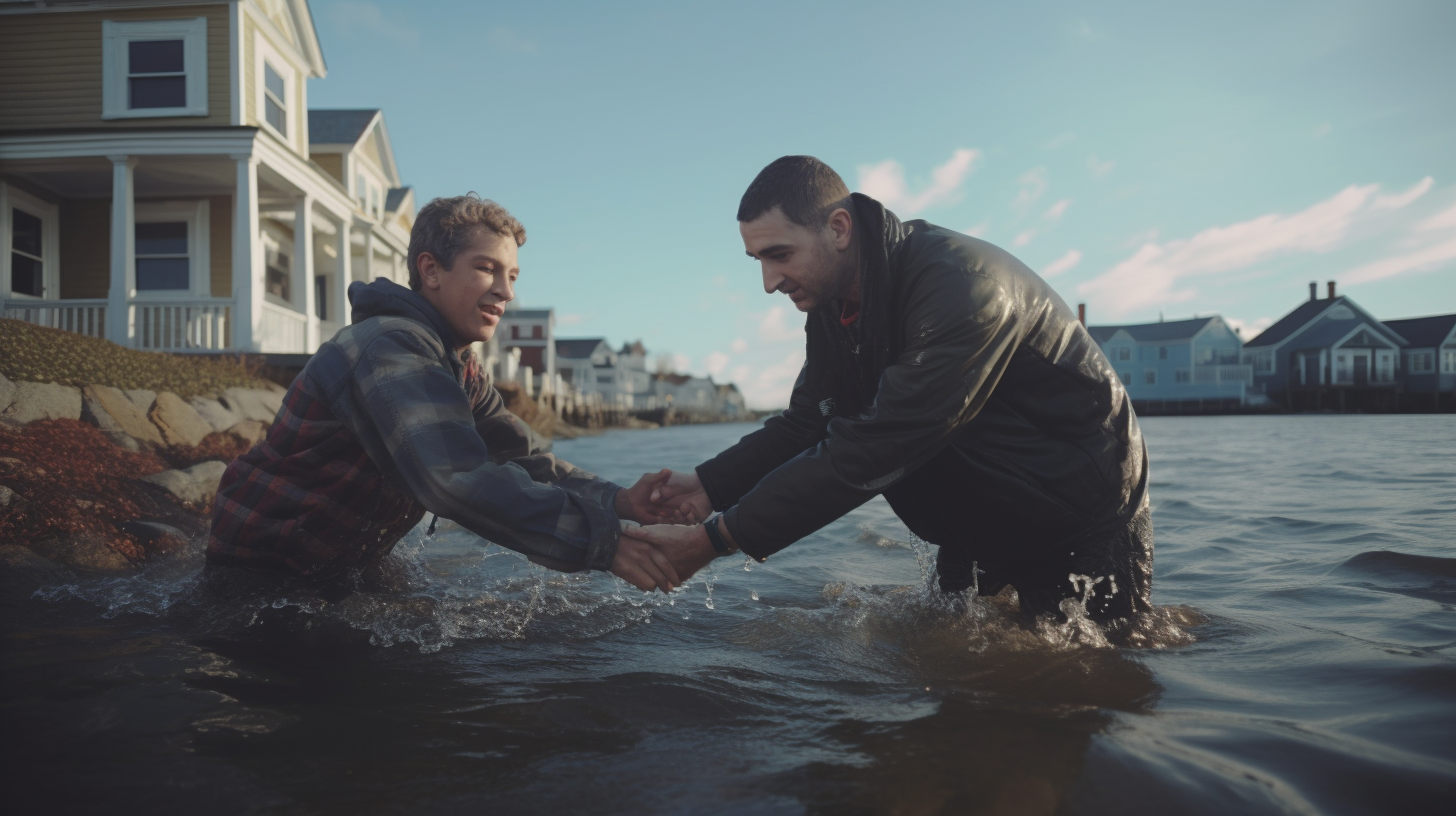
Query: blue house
(1178, 366)
(1327, 354)
(1428, 364)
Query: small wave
(1388, 561)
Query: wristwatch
(715, 536)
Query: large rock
(250, 431)
(155, 537)
(141, 397)
(215, 414)
(118, 417)
(34, 401)
(84, 553)
(7, 393)
(195, 485)
(22, 572)
(179, 422)
(254, 404)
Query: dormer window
(154, 68)
(275, 98)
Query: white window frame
(264, 52)
(1448, 361)
(115, 62)
(1426, 357)
(199, 256)
(1124, 354)
(1183, 376)
(50, 237)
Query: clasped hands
(663, 542)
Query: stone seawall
(96, 479)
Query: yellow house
(164, 185)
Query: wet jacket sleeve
(431, 432)
(959, 337)
(732, 473)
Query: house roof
(578, 348)
(339, 126)
(634, 347)
(1424, 332)
(395, 198)
(1291, 323)
(1153, 332)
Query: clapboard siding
(333, 164)
(50, 68)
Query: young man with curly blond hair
(393, 418)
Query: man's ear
(842, 225)
(429, 270)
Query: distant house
(1327, 354)
(1178, 365)
(1429, 362)
(589, 365)
(164, 185)
(533, 331)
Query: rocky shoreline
(101, 480)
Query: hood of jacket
(385, 298)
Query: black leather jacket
(997, 422)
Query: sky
(1151, 160)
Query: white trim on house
(235, 65)
(199, 255)
(266, 56)
(49, 214)
(115, 61)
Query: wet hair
(807, 189)
(445, 225)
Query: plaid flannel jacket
(384, 424)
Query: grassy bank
(37, 354)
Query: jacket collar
(385, 298)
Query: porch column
(368, 255)
(303, 249)
(247, 257)
(120, 323)
(340, 308)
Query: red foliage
(72, 480)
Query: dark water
(1301, 661)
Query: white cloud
(572, 319)
(886, 183)
(1062, 264)
(1421, 260)
(1402, 200)
(357, 15)
(979, 230)
(771, 386)
(681, 362)
(1141, 238)
(1157, 274)
(1249, 329)
(1033, 184)
(738, 346)
(1060, 141)
(1024, 238)
(1443, 220)
(716, 362)
(774, 327)
(1098, 168)
(1057, 210)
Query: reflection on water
(1300, 661)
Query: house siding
(333, 164)
(53, 72)
(298, 106)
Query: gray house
(1429, 362)
(1177, 366)
(1327, 354)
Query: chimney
(1082, 314)
(1314, 290)
(1332, 290)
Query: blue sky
(1147, 158)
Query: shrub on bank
(37, 354)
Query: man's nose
(505, 290)
(771, 280)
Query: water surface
(1301, 661)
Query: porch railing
(197, 324)
(1223, 374)
(283, 329)
(86, 317)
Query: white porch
(218, 239)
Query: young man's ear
(842, 225)
(429, 270)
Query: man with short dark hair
(393, 418)
(945, 375)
